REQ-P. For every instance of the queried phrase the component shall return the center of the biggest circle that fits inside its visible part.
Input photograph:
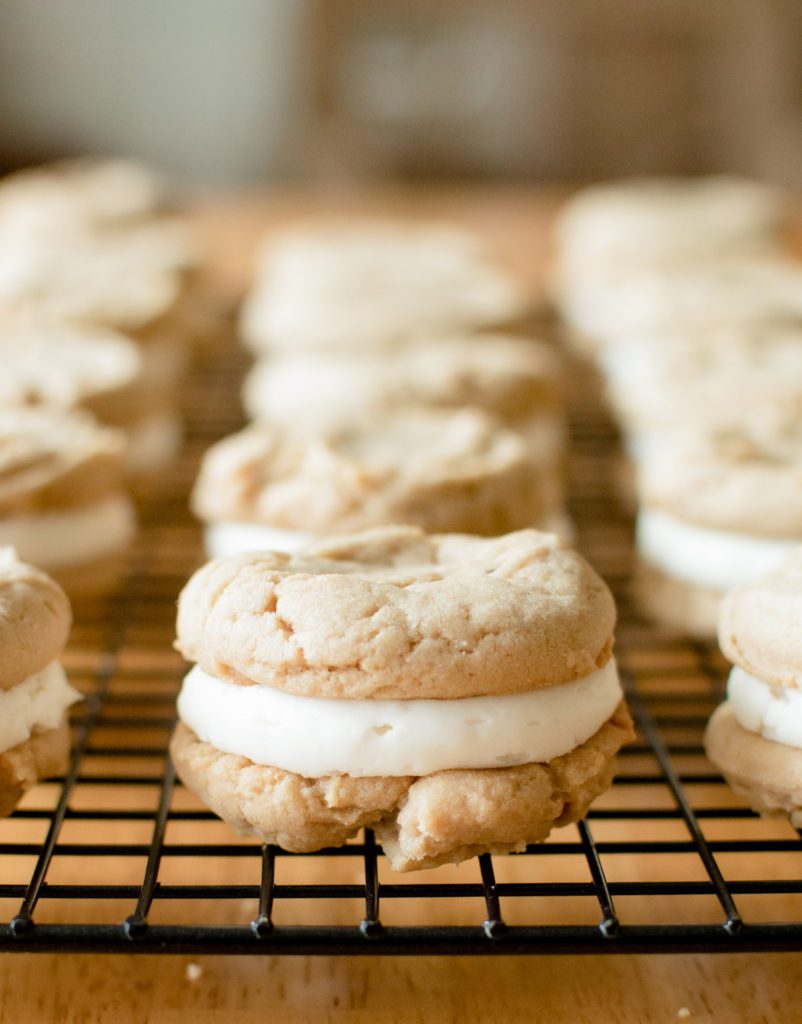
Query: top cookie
(358, 286)
(653, 219)
(55, 459)
(86, 191)
(745, 477)
(457, 470)
(760, 625)
(49, 362)
(667, 378)
(312, 393)
(699, 294)
(35, 620)
(394, 613)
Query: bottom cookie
(676, 604)
(766, 774)
(441, 818)
(44, 754)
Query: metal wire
(118, 857)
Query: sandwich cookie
(368, 284)
(134, 279)
(720, 506)
(454, 693)
(755, 737)
(443, 470)
(518, 380)
(34, 692)
(63, 505)
(71, 365)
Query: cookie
(755, 737)
(461, 692)
(63, 505)
(690, 295)
(34, 693)
(455, 470)
(363, 285)
(518, 380)
(66, 192)
(655, 382)
(720, 505)
(655, 220)
(70, 366)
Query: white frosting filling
(36, 705)
(223, 539)
(71, 536)
(234, 538)
(708, 558)
(774, 712)
(315, 736)
(153, 442)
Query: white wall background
(205, 89)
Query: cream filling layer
(71, 537)
(314, 736)
(718, 559)
(234, 538)
(36, 705)
(774, 712)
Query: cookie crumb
(194, 972)
(683, 1013)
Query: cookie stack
(34, 692)
(383, 641)
(455, 693)
(87, 243)
(389, 387)
(755, 736)
(686, 296)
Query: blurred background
(236, 92)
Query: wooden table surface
(638, 989)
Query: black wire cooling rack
(117, 856)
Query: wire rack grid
(117, 856)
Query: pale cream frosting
(774, 712)
(36, 705)
(232, 538)
(718, 559)
(315, 737)
(71, 536)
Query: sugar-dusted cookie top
(50, 458)
(396, 613)
(646, 218)
(313, 392)
(702, 293)
(85, 190)
(663, 378)
(123, 278)
(35, 620)
(760, 624)
(443, 470)
(363, 284)
(51, 362)
(744, 477)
